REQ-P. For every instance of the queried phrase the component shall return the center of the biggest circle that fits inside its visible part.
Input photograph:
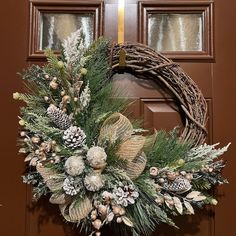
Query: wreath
(95, 163)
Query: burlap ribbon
(115, 127)
(71, 209)
(118, 127)
(131, 149)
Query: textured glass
(55, 27)
(175, 32)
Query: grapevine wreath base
(95, 163)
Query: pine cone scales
(179, 185)
(58, 117)
(74, 137)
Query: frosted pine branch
(85, 97)
(74, 47)
(206, 152)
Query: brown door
(206, 54)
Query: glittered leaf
(33, 161)
(127, 221)
(110, 217)
(178, 205)
(22, 150)
(189, 207)
(193, 194)
(29, 157)
(169, 203)
(199, 198)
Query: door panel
(216, 79)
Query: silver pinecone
(72, 185)
(74, 137)
(58, 117)
(179, 185)
(125, 194)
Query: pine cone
(179, 185)
(74, 137)
(58, 117)
(125, 194)
(72, 185)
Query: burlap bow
(118, 127)
(132, 147)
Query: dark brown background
(216, 78)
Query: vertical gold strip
(121, 21)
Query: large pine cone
(58, 117)
(74, 137)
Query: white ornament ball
(74, 165)
(93, 182)
(96, 157)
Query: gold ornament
(53, 85)
(116, 210)
(57, 159)
(180, 162)
(159, 200)
(97, 224)
(63, 93)
(214, 202)
(60, 64)
(46, 98)
(33, 162)
(153, 171)
(183, 172)
(210, 169)
(21, 122)
(83, 71)
(36, 152)
(157, 187)
(94, 215)
(171, 176)
(66, 99)
(161, 180)
(122, 211)
(16, 96)
(107, 196)
(22, 133)
(119, 220)
(189, 176)
(35, 139)
(103, 210)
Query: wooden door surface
(213, 70)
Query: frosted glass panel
(55, 27)
(175, 32)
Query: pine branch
(167, 150)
